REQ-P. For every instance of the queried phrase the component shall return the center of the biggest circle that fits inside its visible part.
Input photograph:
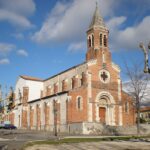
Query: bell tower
(97, 38)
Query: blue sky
(41, 38)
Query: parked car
(2, 126)
(9, 126)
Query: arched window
(79, 103)
(127, 107)
(73, 82)
(55, 88)
(48, 90)
(100, 39)
(89, 41)
(83, 78)
(93, 40)
(105, 41)
(64, 85)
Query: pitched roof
(65, 71)
(97, 20)
(143, 109)
(31, 78)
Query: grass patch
(79, 140)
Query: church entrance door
(102, 114)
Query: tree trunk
(138, 117)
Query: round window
(104, 76)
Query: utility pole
(146, 55)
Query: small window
(48, 91)
(73, 82)
(89, 41)
(126, 107)
(105, 41)
(100, 39)
(83, 79)
(65, 85)
(79, 103)
(93, 40)
(25, 94)
(55, 88)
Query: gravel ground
(15, 139)
(119, 145)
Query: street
(15, 139)
(119, 145)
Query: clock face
(104, 76)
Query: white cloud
(76, 47)
(17, 11)
(15, 19)
(24, 7)
(129, 37)
(115, 22)
(22, 52)
(69, 21)
(127, 87)
(4, 61)
(6, 48)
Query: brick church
(80, 99)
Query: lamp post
(146, 52)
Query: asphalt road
(15, 139)
(115, 145)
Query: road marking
(1, 139)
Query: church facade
(77, 100)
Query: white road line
(1, 139)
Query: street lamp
(145, 51)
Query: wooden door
(102, 114)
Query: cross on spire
(96, 3)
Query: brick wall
(128, 115)
(24, 119)
(74, 114)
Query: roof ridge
(26, 77)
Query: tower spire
(97, 38)
(97, 20)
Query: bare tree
(137, 87)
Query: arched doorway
(105, 108)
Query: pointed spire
(97, 20)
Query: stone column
(28, 117)
(51, 115)
(35, 117)
(89, 98)
(119, 100)
(113, 115)
(108, 115)
(42, 116)
(97, 113)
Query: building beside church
(77, 100)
